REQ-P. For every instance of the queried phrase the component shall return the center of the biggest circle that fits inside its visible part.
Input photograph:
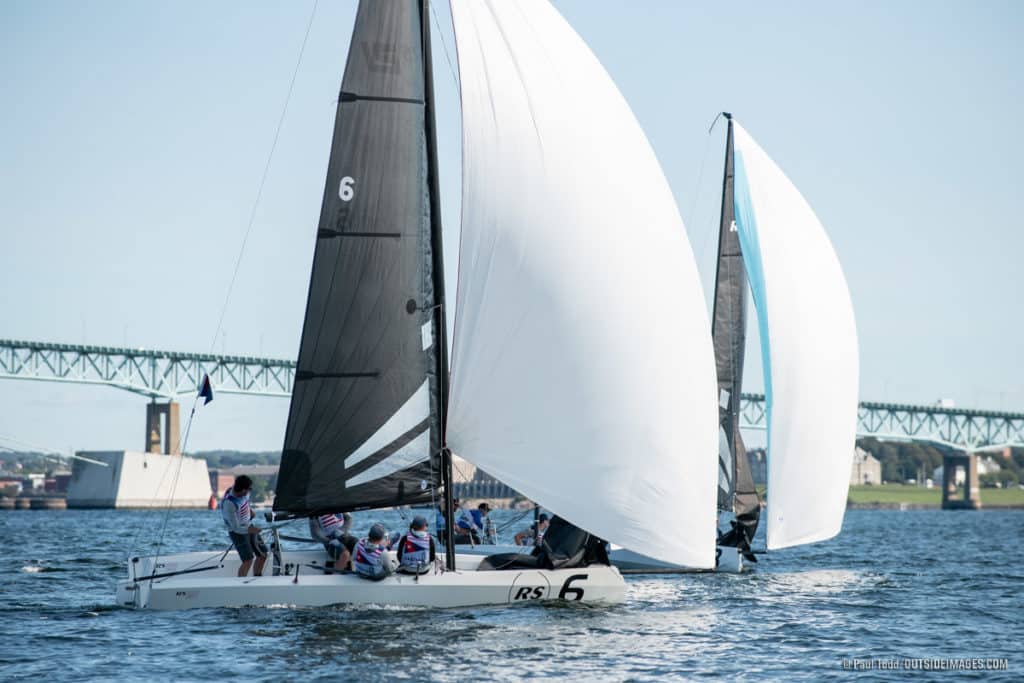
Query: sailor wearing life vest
(416, 552)
(238, 517)
(368, 559)
(471, 524)
(333, 532)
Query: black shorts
(349, 541)
(466, 537)
(334, 546)
(248, 545)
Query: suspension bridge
(164, 376)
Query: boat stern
(128, 594)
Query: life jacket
(241, 503)
(415, 551)
(326, 527)
(368, 560)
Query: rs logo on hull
(529, 593)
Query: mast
(726, 312)
(439, 313)
(728, 331)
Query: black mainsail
(736, 490)
(365, 427)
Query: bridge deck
(169, 374)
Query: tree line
(903, 460)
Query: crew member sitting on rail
(238, 516)
(333, 531)
(369, 559)
(471, 525)
(416, 552)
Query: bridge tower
(971, 499)
(163, 427)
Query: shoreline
(925, 506)
(60, 503)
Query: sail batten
(809, 350)
(362, 431)
(583, 373)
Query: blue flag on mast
(206, 390)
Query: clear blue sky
(133, 137)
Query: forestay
(583, 373)
(364, 428)
(809, 349)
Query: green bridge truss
(170, 374)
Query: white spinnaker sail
(582, 371)
(809, 348)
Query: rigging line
(700, 179)
(433, 503)
(56, 456)
(444, 44)
(152, 510)
(174, 484)
(38, 448)
(199, 563)
(504, 526)
(263, 180)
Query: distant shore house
(11, 484)
(33, 482)
(57, 483)
(463, 471)
(866, 468)
(472, 484)
(224, 478)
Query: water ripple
(894, 584)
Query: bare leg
(243, 570)
(344, 559)
(260, 561)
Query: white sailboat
(808, 348)
(770, 238)
(569, 380)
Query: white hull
(219, 586)
(728, 560)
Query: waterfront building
(866, 468)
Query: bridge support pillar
(163, 427)
(971, 499)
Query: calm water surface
(920, 584)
